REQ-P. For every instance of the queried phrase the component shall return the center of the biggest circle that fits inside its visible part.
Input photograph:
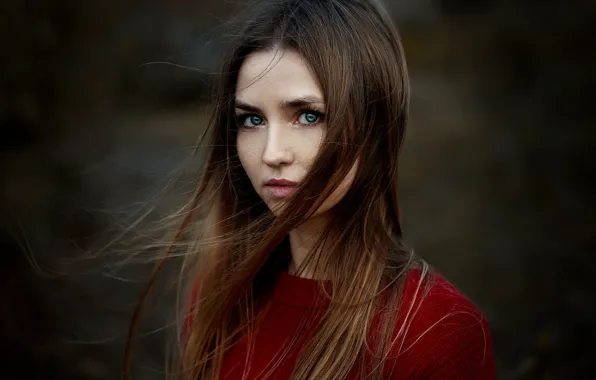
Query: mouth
(281, 188)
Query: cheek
(306, 144)
(249, 150)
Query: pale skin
(280, 108)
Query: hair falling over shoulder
(238, 247)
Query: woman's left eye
(309, 117)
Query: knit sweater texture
(448, 337)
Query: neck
(303, 240)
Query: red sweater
(449, 336)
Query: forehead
(276, 74)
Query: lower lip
(281, 191)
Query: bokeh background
(101, 100)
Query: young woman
(301, 271)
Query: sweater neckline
(300, 291)
(307, 293)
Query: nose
(277, 151)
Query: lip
(281, 188)
(281, 182)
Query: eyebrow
(284, 104)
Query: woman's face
(281, 125)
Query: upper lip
(280, 182)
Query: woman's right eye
(250, 121)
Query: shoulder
(440, 333)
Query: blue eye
(309, 117)
(252, 121)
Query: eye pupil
(250, 121)
(309, 117)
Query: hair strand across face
(355, 53)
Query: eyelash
(242, 116)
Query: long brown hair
(240, 247)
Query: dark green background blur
(497, 179)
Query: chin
(276, 207)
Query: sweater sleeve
(449, 338)
(459, 347)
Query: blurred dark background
(101, 100)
